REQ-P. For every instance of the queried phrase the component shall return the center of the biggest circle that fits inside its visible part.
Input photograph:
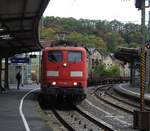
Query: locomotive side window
(74, 56)
(55, 56)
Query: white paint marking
(52, 73)
(76, 73)
(21, 112)
(107, 113)
(129, 91)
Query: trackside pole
(142, 118)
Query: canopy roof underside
(19, 21)
(127, 54)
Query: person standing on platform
(18, 77)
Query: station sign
(19, 60)
(32, 56)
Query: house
(98, 56)
(110, 61)
(95, 56)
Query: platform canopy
(19, 22)
(127, 54)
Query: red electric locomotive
(64, 72)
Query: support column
(6, 85)
(132, 74)
(147, 83)
(0, 71)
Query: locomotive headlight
(53, 83)
(75, 83)
(65, 64)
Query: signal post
(142, 118)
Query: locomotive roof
(65, 48)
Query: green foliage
(101, 71)
(114, 71)
(48, 33)
(88, 40)
(94, 33)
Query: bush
(114, 71)
(101, 71)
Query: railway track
(73, 118)
(77, 119)
(128, 101)
(119, 119)
(117, 101)
(109, 115)
(106, 95)
(93, 118)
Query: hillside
(93, 33)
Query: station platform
(130, 91)
(19, 110)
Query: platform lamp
(147, 45)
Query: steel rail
(112, 104)
(96, 122)
(127, 102)
(65, 124)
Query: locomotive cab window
(74, 56)
(55, 56)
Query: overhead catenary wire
(72, 5)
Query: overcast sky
(122, 10)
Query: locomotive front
(64, 72)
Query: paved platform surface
(132, 91)
(10, 115)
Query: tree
(116, 26)
(49, 33)
(114, 71)
(101, 71)
(94, 33)
(88, 40)
(114, 40)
